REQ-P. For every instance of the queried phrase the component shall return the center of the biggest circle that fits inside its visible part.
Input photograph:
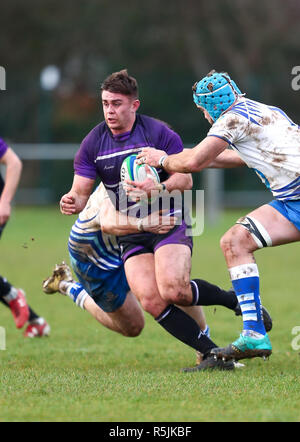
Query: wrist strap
(162, 160)
(140, 225)
(162, 187)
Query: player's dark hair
(121, 83)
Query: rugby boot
(243, 348)
(37, 328)
(19, 309)
(210, 363)
(61, 272)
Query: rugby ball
(131, 170)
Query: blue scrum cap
(215, 93)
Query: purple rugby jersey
(101, 153)
(3, 147)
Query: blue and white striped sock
(77, 293)
(245, 281)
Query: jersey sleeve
(170, 142)
(230, 127)
(84, 164)
(3, 147)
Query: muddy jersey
(268, 141)
(87, 243)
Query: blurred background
(57, 53)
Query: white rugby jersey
(87, 242)
(268, 141)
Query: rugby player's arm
(226, 160)
(12, 177)
(189, 160)
(179, 181)
(75, 200)
(113, 222)
(197, 158)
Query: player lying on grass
(9, 295)
(264, 138)
(96, 260)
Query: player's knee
(235, 242)
(153, 305)
(135, 327)
(175, 292)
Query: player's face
(119, 111)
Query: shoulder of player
(95, 133)
(158, 127)
(90, 143)
(231, 119)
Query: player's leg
(15, 299)
(173, 281)
(173, 265)
(140, 275)
(110, 291)
(140, 272)
(172, 271)
(127, 320)
(263, 227)
(108, 300)
(197, 313)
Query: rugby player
(102, 289)
(9, 295)
(265, 139)
(162, 281)
(95, 257)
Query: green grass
(84, 372)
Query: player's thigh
(279, 228)
(173, 265)
(139, 270)
(129, 314)
(140, 273)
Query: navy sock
(205, 293)
(180, 325)
(32, 314)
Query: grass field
(84, 372)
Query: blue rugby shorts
(289, 209)
(108, 288)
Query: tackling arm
(114, 222)
(150, 188)
(226, 160)
(189, 160)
